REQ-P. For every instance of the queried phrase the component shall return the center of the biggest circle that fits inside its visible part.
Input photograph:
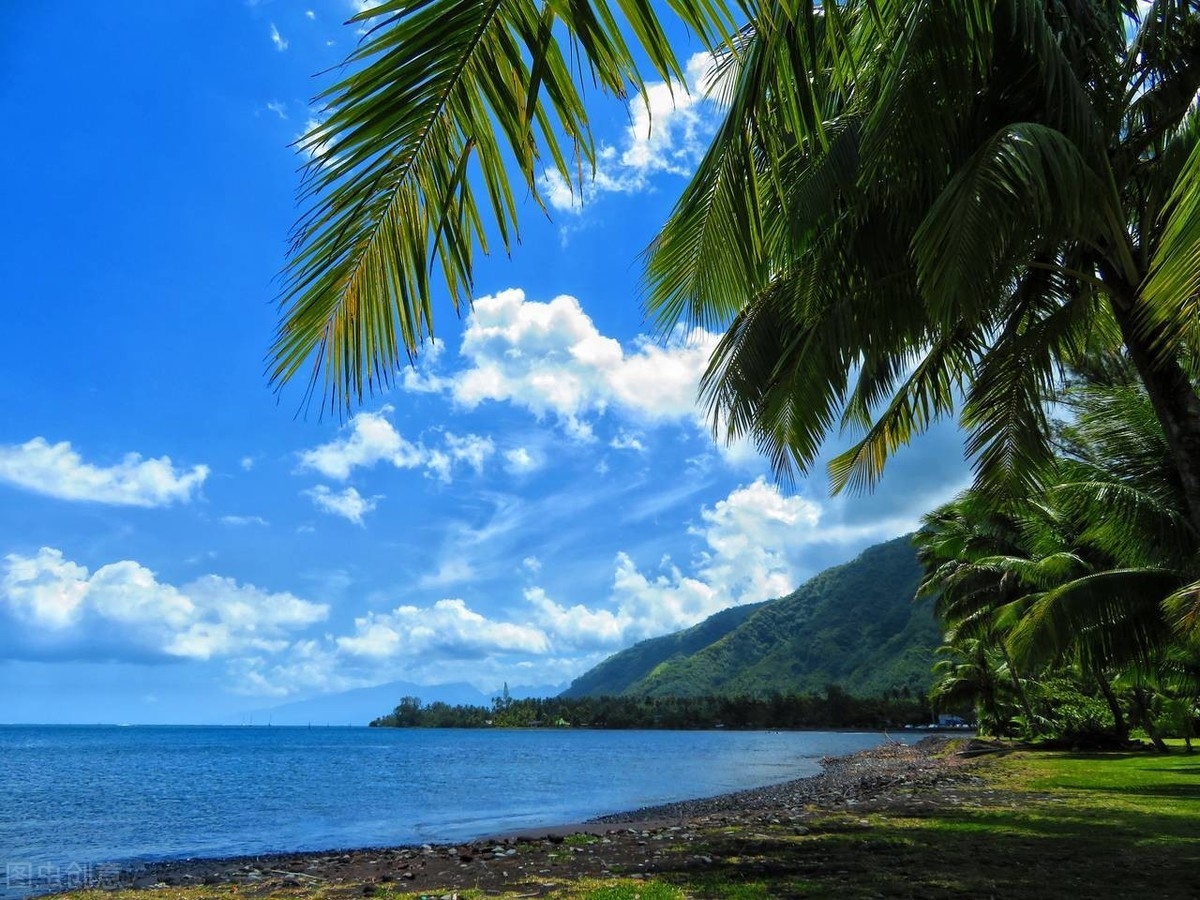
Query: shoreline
(623, 843)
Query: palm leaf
(1113, 617)
(447, 102)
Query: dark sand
(642, 842)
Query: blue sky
(177, 544)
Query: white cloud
(58, 471)
(669, 129)
(314, 141)
(670, 126)
(278, 39)
(520, 461)
(626, 441)
(309, 14)
(349, 504)
(471, 450)
(751, 540)
(754, 543)
(238, 521)
(371, 439)
(278, 107)
(448, 628)
(57, 606)
(454, 570)
(247, 463)
(551, 359)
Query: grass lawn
(1034, 825)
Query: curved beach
(634, 843)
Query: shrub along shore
(944, 818)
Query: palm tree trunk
(1143, 710)
(1120, 726)
(1018, 687)
(1175, 403)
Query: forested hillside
(855, 625)
(613, 676)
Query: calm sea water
(77, 800)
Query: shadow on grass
(1173, 791)
(1050, 852)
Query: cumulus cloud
(370, 439)
(278, 39)
(57, 608)
(449, 628)
(348, 503)
(552, 360)
(56, 470)
(670, 125)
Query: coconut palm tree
(1098, 574)
(964, 197)
(911, 206)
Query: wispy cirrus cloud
(349, 504)
(57, 470)
(754, 544)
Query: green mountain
(613, 676)
(855, 625)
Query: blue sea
(77, 802)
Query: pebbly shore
(634, 843)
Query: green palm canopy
(911, 208)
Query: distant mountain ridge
(855, 625)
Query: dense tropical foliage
(830, 707)
(1087, 589)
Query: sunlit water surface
(77, 801)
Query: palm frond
(1112, 617)
(1171, 291)
(446, 101)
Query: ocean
(79, 802)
